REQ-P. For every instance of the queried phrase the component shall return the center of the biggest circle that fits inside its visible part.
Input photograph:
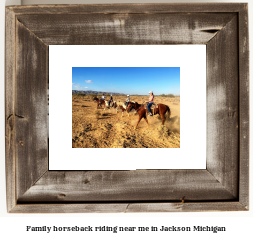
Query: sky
(127, 80)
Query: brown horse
(142, 111)
(95, 99)
(100, 102)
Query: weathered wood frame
(222, 186)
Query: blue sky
(127, 80)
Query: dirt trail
(99, 128)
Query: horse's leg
(122, 114)
(138, 122)
(162, 116)
(146, 120)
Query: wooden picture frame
(222, 186)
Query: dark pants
(127, 103)
(148, 106)
(109, 102)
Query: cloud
(88, 81)
(78, 87)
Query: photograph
(94, 96)
(125, 107)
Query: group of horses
(114, 104)
(141, 109)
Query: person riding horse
(103, 97)
(127, 100)
(111, 100)
(150, 102)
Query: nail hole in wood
(86, 181)
(61, 195)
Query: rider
(111, 100)
(103, 97)
(150, 102)
(127, 100)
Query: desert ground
(99, 128)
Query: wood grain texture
(140, 185)
(244, 106)
(129, 8)
(186, 207)
(222, 107)
(9, 109)
(30, 108)
(122, 29)
(128, 207)
(223, 186)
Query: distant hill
(88, 92)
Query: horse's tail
(169, 112)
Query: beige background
(2, 147)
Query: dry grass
(96, 128)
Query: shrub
(80, 94)
(168, 95)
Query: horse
(100, 102)
(115, 105)
(95, 99)
(106, 104)
(142, 111)
(121, 105)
